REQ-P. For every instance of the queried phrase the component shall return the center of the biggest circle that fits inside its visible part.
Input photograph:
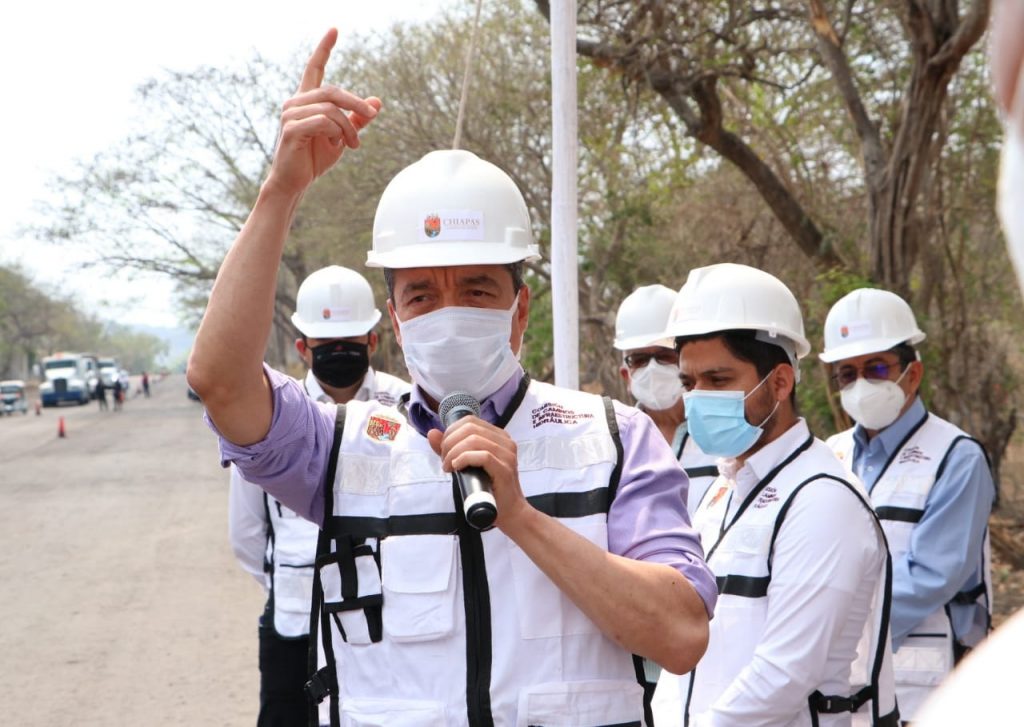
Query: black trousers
(283, 700)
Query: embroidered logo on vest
(768, 495)
(382, 429)
(913, 454)
(552, 413)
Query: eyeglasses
(880, 371)
(641, 359)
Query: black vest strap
(971, 595)
(613, 429)
(837, 705)
(705, 471)
(899, 514)
(744, 586)
(323, 682)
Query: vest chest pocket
(419, 586)
(293, 589)
(350, 578)
(744, 550)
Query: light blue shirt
(944, 556)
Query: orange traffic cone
(60, 428)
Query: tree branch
(835, 59)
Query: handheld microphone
(478, 503)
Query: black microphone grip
(478, 504)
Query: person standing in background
(650, 367)
(336, 315)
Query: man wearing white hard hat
(929, 482)
(650, 366)
(800, 633)
(591, 559)
(336, 314)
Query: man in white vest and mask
(929, 482)
(336, 314)
(650, 367)
(800, 633)
(591, 559)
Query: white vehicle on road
(69, 377)
(12, 397)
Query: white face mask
(656, 385)
(1011, 193)
(460, 349)
(874, 404)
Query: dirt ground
(121, 601)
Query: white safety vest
(700, 468)
(899, 497)
(740, 555)
(291, 539)
(444, 625)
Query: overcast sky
(68, 72)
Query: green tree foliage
(35, 323)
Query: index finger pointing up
(313, 76)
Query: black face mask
(340, 363)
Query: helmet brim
(701, 328)
(335, 329)
(863, 347)
(450, 254)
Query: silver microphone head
(457, 405)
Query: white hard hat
(642, 316)
(335, 302)
(868, 320)
(727, 297)
(451, 208)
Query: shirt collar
(365, 392)
(892, 435)
(423, 418)
(760, 464)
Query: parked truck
(70, 377)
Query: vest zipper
(477, 603)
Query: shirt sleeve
(247, 525)
(648, 520)
(290, 463)
(825, 569)
(946, 543)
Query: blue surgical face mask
(717, 422)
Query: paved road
(121, 603)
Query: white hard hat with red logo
(868, 320)
(335, 302)
(642, 316)
(728, 296)
(451, 208)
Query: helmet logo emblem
(432, 225)
(326, 314)
(844, 331)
